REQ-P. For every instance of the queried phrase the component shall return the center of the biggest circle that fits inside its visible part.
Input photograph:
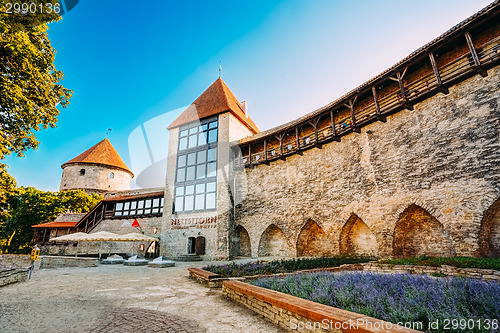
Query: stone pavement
(142, 320)
(116, 298)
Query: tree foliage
(27, 206)
(29, 82)
(7, 188)
(30, 94)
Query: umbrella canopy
(71, 237)
(102, 236)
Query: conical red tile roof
(102, 153)
(215, 100)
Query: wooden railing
(93, 218)
(457, 69)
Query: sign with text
(194, 222)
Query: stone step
(188, 257)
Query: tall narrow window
(111, 175)
(196, 173)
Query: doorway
(191, 245)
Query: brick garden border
(209, 279)
(282, 308)
(300, 315)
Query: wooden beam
(472, 49)
(314, 124)
(334, 131)
(250, 154)
(440, 85)
(404, 72)
(297, 139)
(316, 137)
(401, 85)
(406, 102)
(350, 106)
(380, 117)
(280, 138)
(474, 55)
(316, 134)
(266, 162)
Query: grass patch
(434, 274)
(462, 262)
(280, 266)
(399, 298)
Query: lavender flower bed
(400, 298)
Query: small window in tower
(111, 175)
(82, 172)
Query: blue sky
(129, 62)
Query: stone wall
(15, 260)
(490, 231)
(94, 248)
(96, 178)
(357, 239)
(13, 275)
(424, 182)
(66, 262)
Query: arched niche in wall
(419, 233)
(242, 242)
(273, 243)
(357, 239)
(489, 236)
(312, 241)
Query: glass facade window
(196, 172)
(198, 135)
(141, 207)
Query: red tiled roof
(55, 225)
(215, 100)
(69, 217)
(102, 153)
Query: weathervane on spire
(220, 67)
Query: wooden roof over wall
(485, 13)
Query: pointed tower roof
(102, 153)
(215, 100)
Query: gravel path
(116, 298)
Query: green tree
(30, 94)
(29, 82)
(28, 206)
(7, 188)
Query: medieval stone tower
(99, 169)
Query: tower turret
(99, 169)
